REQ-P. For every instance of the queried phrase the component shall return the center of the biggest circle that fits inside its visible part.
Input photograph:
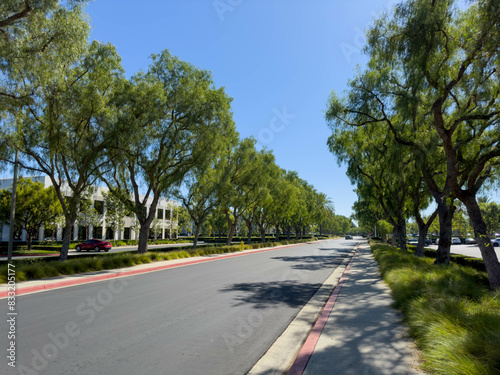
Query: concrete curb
(300, 363)
(71, 280)
(282, 354)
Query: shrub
(451, 313)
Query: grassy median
(452, 314)
(34, 269)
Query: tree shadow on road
(264, 295)
(316, 262)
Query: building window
(160, 214)
(97, 232)
(110, 234)
(167, 214)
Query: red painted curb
(300, 363)
(65, 283)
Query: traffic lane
(211, 318)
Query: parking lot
(469, 250)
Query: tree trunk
(394, 236)
(66, 240)
(485, 246)
(445, 230)
(402, 232)
(232, 230)
(29, 237)
(197, 228)
(297, 233)
(262, 233)
(423, 229)
(143, 238)
(277, 232)
(249, 228)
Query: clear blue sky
(278, 60)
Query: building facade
(163, 227)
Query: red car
(96, 245)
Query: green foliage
(453, 316)
(491, 215)
(36, 206)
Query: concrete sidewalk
(364, 334)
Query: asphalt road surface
(469, 250)
(210, 318)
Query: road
(210, 318)
(469, 250)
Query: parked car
(495, 242)
(470, 241)
(348, 237)
(412, 241)
(96, 245)
(455, 241)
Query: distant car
(470, 241)
(428, 242)
(455, 241)
(412, 241)
(96, 245)
(348, 237)
(495, 242)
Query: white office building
(165, 224)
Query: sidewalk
(363, 334)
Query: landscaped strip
(41, 269)
(452, 315)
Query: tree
(171, 119)
(37, 206)
(62, 133)
(87, 215)
(115, 212)
(447, 59)
(201, 188)
(342, 225)
(217, 220)
(384, 228)
(37, 39)
(184, 219)
(241, 181)
(377, 164)
(262, 206)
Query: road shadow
(264, 295)
(316, 262)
